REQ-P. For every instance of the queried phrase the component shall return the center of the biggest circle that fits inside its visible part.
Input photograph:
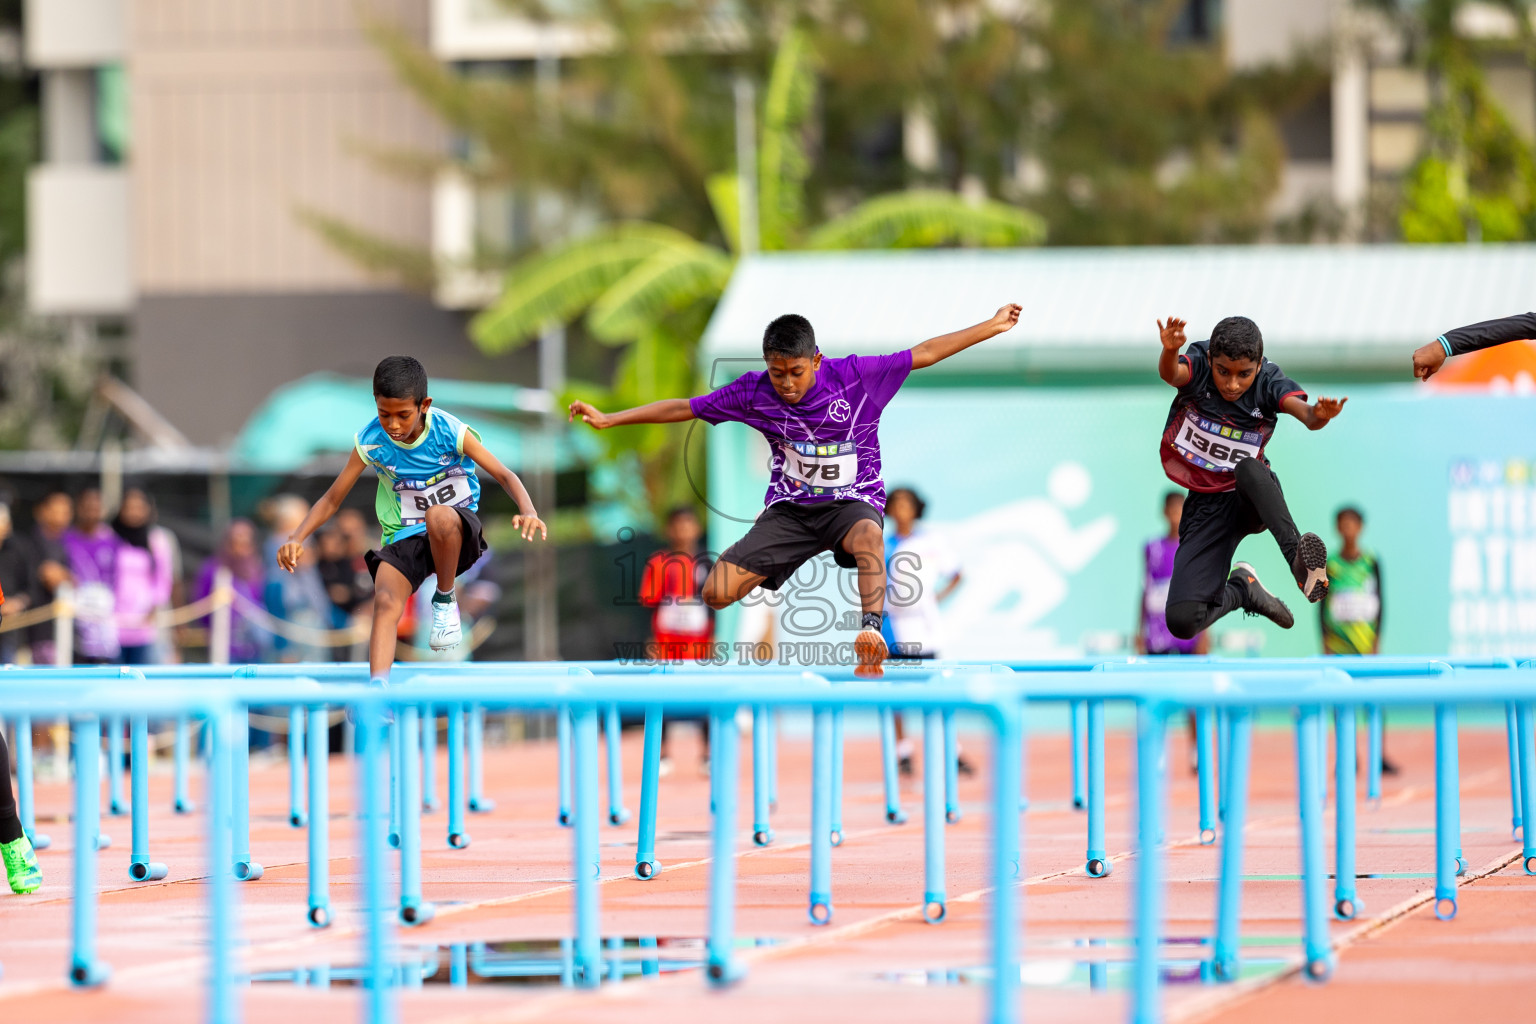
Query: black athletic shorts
(413, 555)
(1212, 527)
(788, 534)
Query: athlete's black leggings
(10, 824)
(1258, 503)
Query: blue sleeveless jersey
(433, 470)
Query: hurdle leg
(223, 919)
(762, 827)
(1345, 902)
(1098, 861)
(1229, 898)
(1007, 793)
(85, 970)
(479, 803)
(139, 867)
(319, 817)
(821, 817)
(1223, 773)
(563, 744)
(1079, 725)
(246, 868)
(26, 806)
(935, 768)
(894, 815)
(413, 909)
(1151, 729)
(116, 804)
(1525, 719)
(1373, 753)
(1314, 883)
(458, 965)
(296, 815)
(837, 777)
(1512, 729)
(458, 837)
(1447, 814)
(773, 759)
(1205, 765)
(589, 952)
(181, 802)
(618, 814)
(646, 864)
(724, 738)
(951, 770)
(429, 758)
(395, 758)
(373, 748)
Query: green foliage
(1477, 179)
(405, 264)
(926, 218)
(783, 165)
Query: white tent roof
(1351, 307)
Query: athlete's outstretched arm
(289, 554)
(945, 345)
(1428, 359)
(668, 410)
(1315, 416)
(527, 521)
(1170, 367)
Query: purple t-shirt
(1154, 610)
(826, 447)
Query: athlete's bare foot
(869, 648)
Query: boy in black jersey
(1429, 358)
(1229, 399)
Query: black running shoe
(1258, 600)
(904, 765)
(1310, 567)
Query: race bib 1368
(1215, 446)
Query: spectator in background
(300, 596)
(92, 548)
(683, 626)
(1351, 610)
(51, 518)
(145, 573)
(1152, 633)
(921, 571)
(358, 537)
(18, 580)
(238, 552)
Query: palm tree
(650, 288)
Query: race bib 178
(416, 498)
(821, 467)
(1216, 446)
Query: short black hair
(1237, 337)
(400, 377)
(789, 336)
(676, 512)
(1171, 497)
(918, 504)
(1349, 510)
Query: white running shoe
(447, 631)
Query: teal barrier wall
(1047, 495)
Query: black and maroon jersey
(1207, 436)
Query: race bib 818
(416, 498)
(1215, 446)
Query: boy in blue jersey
(427, 499)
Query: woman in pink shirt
(144, 576)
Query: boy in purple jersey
(1153, 635)
(1428, 359)
(821, 418)
(1228, 403)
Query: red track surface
(1396, 963)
